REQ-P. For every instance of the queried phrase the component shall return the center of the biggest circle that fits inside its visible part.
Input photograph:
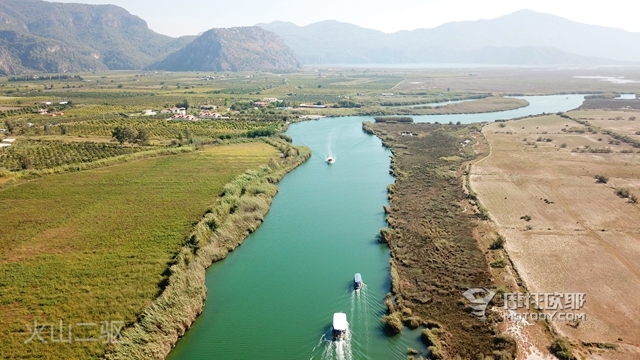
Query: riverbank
(433, 236)
(236, 214)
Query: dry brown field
(582, 237)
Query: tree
(143, 137)
(25, 162)
(124, 134)
(184, 104)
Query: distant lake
(611, 79)
(449, 66)
(414, 66)
(627, 97)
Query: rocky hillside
(37, 35)
(234, 49)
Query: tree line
(46, 78)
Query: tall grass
(237, 213)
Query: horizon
(407, 15)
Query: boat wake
(361, 314)
(338, 350)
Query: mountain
(234, 49)
(21, 52)
(57, 37)
(524, 37)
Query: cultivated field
(564, 231)
(94, 246)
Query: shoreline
(238, 212)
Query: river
(274, 297)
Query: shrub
(562, 349)
(393, 322)
(563, 145)
(525, 218)
(430, 338)
(385, 235)
(623, 192)
(498, 243)
(498, 264)
(601, 179)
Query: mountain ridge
(524, 31)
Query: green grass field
(92, 246)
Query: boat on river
(339, 327)
(330, 160)
(357, 281)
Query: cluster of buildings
(266, 102)
(53, 113)
(180, 113)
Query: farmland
(94, 245)
(568, 224)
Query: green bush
(562, 349)
(498, 243)
(498, 264)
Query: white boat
(330, 160)
(357, 281)
(339, 326)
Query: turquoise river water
(274, 297)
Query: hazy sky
(190, 17)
